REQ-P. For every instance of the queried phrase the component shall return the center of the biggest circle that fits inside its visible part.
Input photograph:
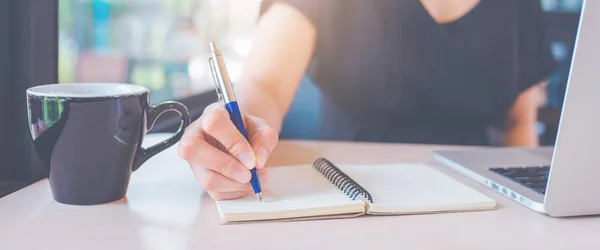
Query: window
(160, 44)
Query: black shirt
(389, 72)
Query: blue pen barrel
(236, 117)
(255, 182)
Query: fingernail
(241, 176)
(262, 154)
(247, 160)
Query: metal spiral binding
(342, 181)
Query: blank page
(415, 188)
(291, 192)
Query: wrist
(521, 135)
(258, 101)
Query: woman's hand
(220, 156)
(522, 118)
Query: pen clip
(213, 70)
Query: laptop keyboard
(533, 177)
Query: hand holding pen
(224, 158)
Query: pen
(225, 92)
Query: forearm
(256, 100)
(280, 54)
(522, 119)
(521, 136)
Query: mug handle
(154, 112)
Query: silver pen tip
(259, 195)
(214, 48)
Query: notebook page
(291, 192)
(415, 188)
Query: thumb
(263, 139)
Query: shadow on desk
(7, 187)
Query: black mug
(89, 136)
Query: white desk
(166, 209)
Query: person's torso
(390, 65)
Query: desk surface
(166, 209)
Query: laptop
(562, 180)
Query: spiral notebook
(324, 190)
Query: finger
(263, 139)
(263, 175)
(198, 152)
(228, 195)
(219, 126)
(213, 181)
(194, 129)
(238, 194)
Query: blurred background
(160, 44)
